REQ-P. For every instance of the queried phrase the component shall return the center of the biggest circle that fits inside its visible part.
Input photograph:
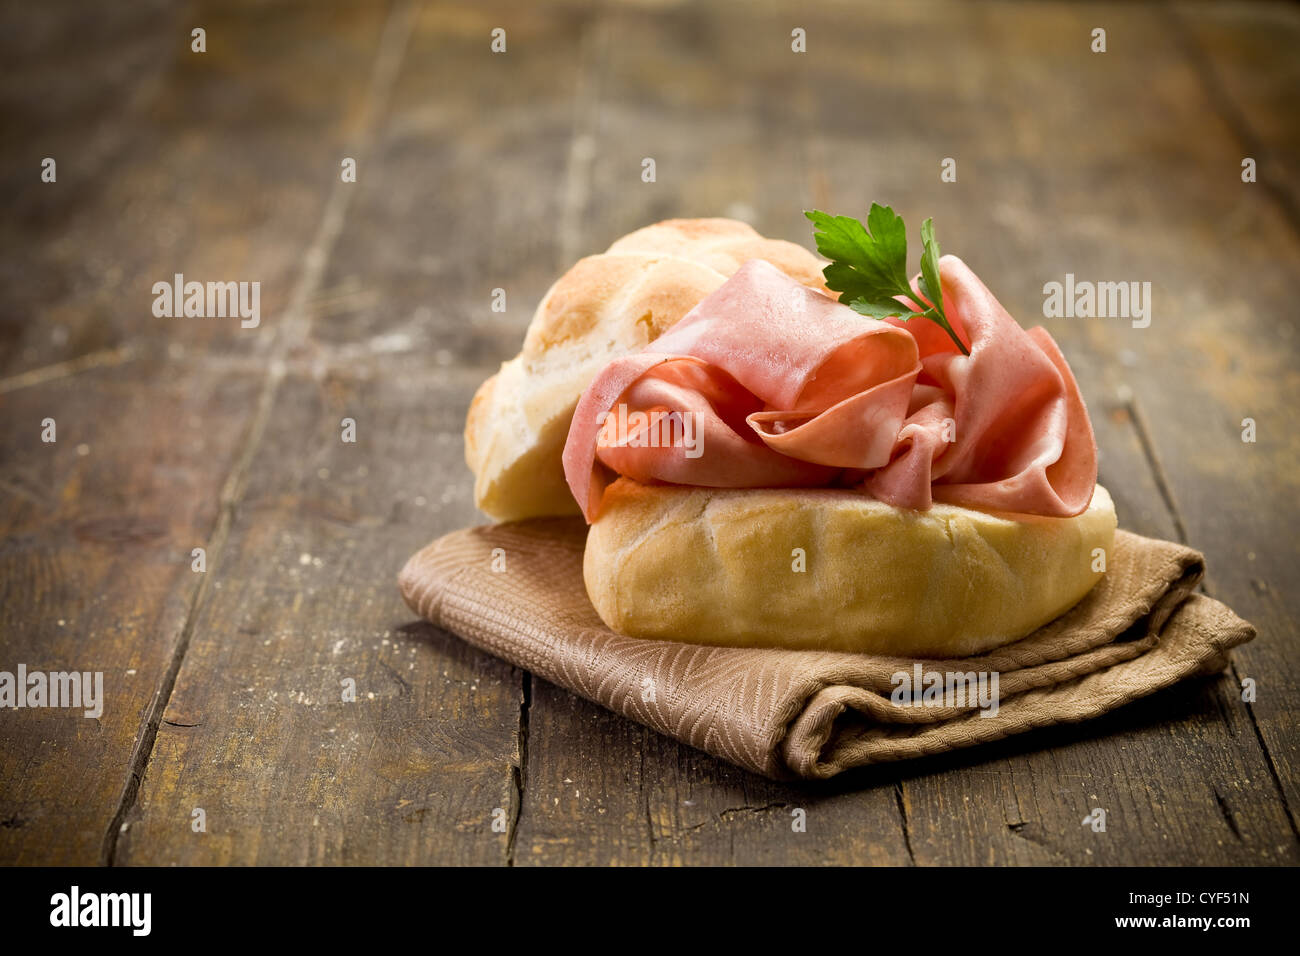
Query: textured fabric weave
(814, 714)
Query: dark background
(478, 171)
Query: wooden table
(479, 171)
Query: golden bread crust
(715, 566)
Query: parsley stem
(939, 319)
(951, 334)
(868, 265)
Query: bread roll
(605, 306)
(713, 566)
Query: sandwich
(899, 469)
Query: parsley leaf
(869, 265)
(931, 288)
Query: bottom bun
(712, 566)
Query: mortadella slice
(1018, 436)
(769, 384)
(768, 374)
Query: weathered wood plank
(713, 96)
(1242, 352)
(257, 732)
(464, 191)
(151, 141)
(602, 790)
(417, 774)
(1245, 53)
(213, 165)
(96, 533)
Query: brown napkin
(813, 713)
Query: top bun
(607, 305)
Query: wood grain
(96, 533)
(1242, 354)
(213, 165)
(152, 143)
(257, 732)
(1244, 54)
(463, 193)
(417, 775)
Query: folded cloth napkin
(516, 591)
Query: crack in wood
(1226, 812)
(48, 373)
(1142, 429)
(901, 802)
(735, 811)
(402, 682)
(519, 771)
(645, 793)
(1268, 758)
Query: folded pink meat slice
(1021, 438)
(782, 386)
